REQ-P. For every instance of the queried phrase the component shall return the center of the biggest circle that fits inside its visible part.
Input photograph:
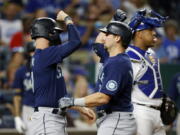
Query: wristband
(79, 102)
(67, 18)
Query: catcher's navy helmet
(140, 21)
(46, 27)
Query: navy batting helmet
(46, 27)
(121, 29)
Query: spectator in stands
(115, 3)
(40, 13)
(131, 6)
(170, 8)
(19, 39)
(159, 49)
(22, 37)
(9, 24)
(171, 42)
(51, 7)
(174, 94)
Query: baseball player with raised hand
(152, 108)
(23, 87)
(98, 45)
(147, 91)
(114, 85)
(47, 77)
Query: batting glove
(66, 102)
(19, 125)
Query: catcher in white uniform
(147, 91)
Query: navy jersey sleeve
(100, 51)
(112, 81)
(18, 80)
(55, 54)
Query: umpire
(47, 78)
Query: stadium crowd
(80, 68)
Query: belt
(151, 106)
(103, 113)
(53, 110)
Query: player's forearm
(93, 100)
(17, 101)
(100, 51)
(73, 33)
(74, 41)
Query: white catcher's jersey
(147, 87)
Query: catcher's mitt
(168, 111)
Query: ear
(117, 38)
(139, 34)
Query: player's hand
(66, 102)
(100, 38)
(19, 124)
(119, 16)
(61, 16)
(89, 113)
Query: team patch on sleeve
(111, 85)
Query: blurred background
(80, 68)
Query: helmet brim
(103, 30)
(58, 29)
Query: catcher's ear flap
(168, 111)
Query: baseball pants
(44, 122)
(148, 121)
(116, 123)
(27, 112)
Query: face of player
(149, 37)
(110, 40)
